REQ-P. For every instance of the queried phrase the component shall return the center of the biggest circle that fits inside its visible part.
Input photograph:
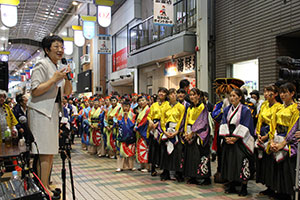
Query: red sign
(120, 60)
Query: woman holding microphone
(48, 85)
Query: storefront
(167, 74)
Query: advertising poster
(163, 12)
(104, 44)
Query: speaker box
(4, 76)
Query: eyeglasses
(58, 47)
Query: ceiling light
(3, 28)
(51, 13)
(46, 13)
(60, 9)
(38, 50)
(75, 3)
(64, 33)
(3, 38)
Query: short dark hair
(163, 89)
(255, 92)
(19, 98)
(126, 102)
(140, 97)
(288, 87)
(113, 97)
(205, 94)
(181, 90)
(48, 40)
(184, 83)
(172, 90)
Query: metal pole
(297, 170)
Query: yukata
(197, 151)
(110, 121)
(95, 139)
(172, 148)
(142, 144)
(155, 135)
(85, 127)
(284, 124)
(264, 161)
(237, 158)
(126, 139)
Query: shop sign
(9, 15)
(104, 44)
(163, 12)
(120, 60)
(79, 40)
(27, 73)
(104, 15)
(14, 78)
(182, 65)
(68, 44)
(89, 26)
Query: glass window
(120, 50)
(248, 72)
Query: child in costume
(126, 138)
(141, 126)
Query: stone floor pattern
(95, 179)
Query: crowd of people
(176, 132)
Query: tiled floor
(95, 178)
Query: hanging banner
(163, 12)
(104, 44)
(79, 40)
(104, 15)
(120, 59)
(9, 12)
(68, 44)
(89, 26)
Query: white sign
(163, 12)
(104, 44)
(88, 29)
(104, 15)
(68, 47)
(9, 15)
(79, 40)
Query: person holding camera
(48, 85)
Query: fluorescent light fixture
(3, 38)
(64, 33)
(75, 3)
(3, 28)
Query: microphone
(27, 132)
(64, 62)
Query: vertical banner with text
(104, 44)
(163, 12)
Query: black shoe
(179, 177)
(56, 194)
(205, 181)
(243, 191)
(165, 175)
(267, 192)
(230, 188)
(192, 181)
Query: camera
(290, 68)
(64, 136)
